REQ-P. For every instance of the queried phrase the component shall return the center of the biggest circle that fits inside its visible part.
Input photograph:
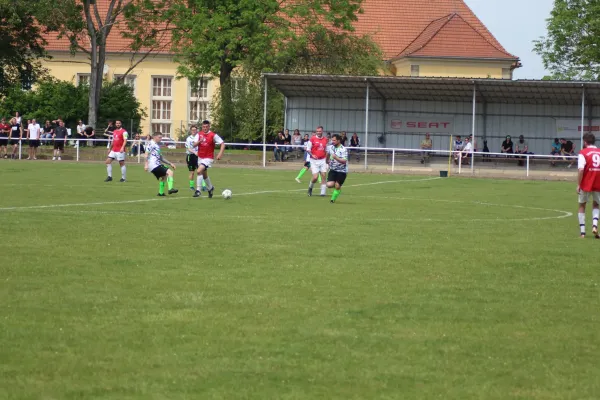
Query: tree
(571, 49)
(217, 38)
(22, 44)
(88, 27)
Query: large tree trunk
(227, 113)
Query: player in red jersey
(117, 152)
(207, 140)
(317, 148)
(588, 163)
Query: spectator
(81, 133)
(355, 142)
(344, 139)
(507, 146)
(18, 118)
(33, 136)
(278, 150)
(567, 149)
(90, 135)
(137, 147)
(15, 136)
(60, 140)
(305, 139)
(288, 141)
(426, 144)
(457, 147)
(556, 146)
(328, 138)
(465, 153)
(47, 132)
(521, 147)
(4, 133)
(108, 132)
(297, 141)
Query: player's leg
(161, 186)
(123, 167)
(209, 185)
(192, 169)
(303, 171)
(171, 181)
(595, 214)
(314, 168)
(60, 149)
(583, 198)
(108, 163)
(323, 181)
(199, 178)
(339, 179)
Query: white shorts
(116, 156)
(207, 162)
(585, 196)
(317, 166)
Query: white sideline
(187, 197)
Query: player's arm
(125, 135)
(146, 153)
(581, 168)
(221, 142)
(165, 161)
(309, 147)
(343, 159)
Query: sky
(516, 24)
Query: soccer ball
(226, 194)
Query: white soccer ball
(226, 194)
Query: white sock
(199, 182)
(123, 172)
(581, 222)
(209, 185)
(323, 189)
(311, 184)
(109, 169)
(595, 216)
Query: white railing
(366, 152)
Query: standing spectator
(355, 142)
(60, 140)
(278, 151)
(297, 141)
(567, 149)
(426, 144)
(90, 134)
(4, 134)
(507, 145)
(588, 182)
(47, 132)
(555, 150)
(521, 147)
(80, 133)
(33, 136)
(288, 141)
(18, 118)
(16, 135)
(108, 132)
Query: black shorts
(334, 176)
(13, 142)
(59, 145)
(34, 143)
(192, 162)
(3, 141)
(160, 171)
(307, 164)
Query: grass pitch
(417, 288)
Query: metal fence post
(393, 159)
(528, 165)
(77, 149)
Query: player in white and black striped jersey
(192, 155)
(154, 163)
(338, 166)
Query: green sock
(203, 183)
(319, 178)
(192, 184)
(336, 194)
(302, 172)
(170, 182)
(161, 187)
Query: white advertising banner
(572, 127)
(421, 124)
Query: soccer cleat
(53, 158)
(582, 236)
(122, 180)
(196, 193)
(161, 195)
(332, 201)
(298, 180)
(323, 195)
(210, 192)
(595, 232)
(309, 192)
(108, 179)
(173, 191)
(59, 159)
(193, 189)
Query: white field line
(102, 203)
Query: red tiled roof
(416, 27)
(452, 36)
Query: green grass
(416, 289)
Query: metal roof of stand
(436, 89)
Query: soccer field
(408, 287)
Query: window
(238, 86)
(129, 80)
(414, 70)
(165, 129)
(198, 101)
(161, 87)
(199, 88)
(162, 102)
(198, 111)
(506, 73)
(83, 79)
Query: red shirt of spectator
(318, 149)
(4, 129)
(591, 169)
(119, 137)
